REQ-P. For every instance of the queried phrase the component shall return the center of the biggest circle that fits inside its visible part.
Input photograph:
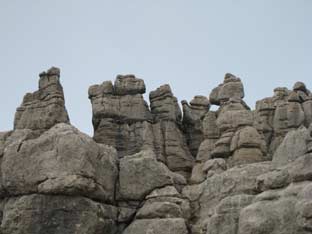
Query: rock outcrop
(44, 108)
(157, 169)
(122, 119)
(285, 111)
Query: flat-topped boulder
(164, 105)
(232, 87)
(128, 84)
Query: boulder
(198, 174)
(164, 203)
(61, 161)
(232, 119)
(279, 211)
(128, 84)
(300, 86)
(293, 146)
(164, 105)
(205, 150)
(247, 137)
(246, 156)
(141, 173)
(222, 146)
(206, 196)
(164, 226)
(214, 166)
(225, 219)
(37, 214)
(232, 87)
(120, 116)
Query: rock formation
(44, 108)
(157, 169)
(122, 119)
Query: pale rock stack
(232, 87)
(229, 133)
(220, 127)
(285, 111)
(168, 134)
(211, 134)
(55, 179)
(165, 210)
(44, 108)
(121, 117)
(139, 175)
(164, 105)
(193, 115)
(239, 140)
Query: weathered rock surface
(142, 173)
(120, 114)
(44, 108)
(285, 111)
(38, 214)
(165, 226)
(232, 87)
(122, 119)
(153, 169)
(294, 145)
(61, 161)
(206, 196)
(193, 115)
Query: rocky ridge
(156, 168)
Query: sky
(189, 44)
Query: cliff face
(158, 169)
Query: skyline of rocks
(157, 168)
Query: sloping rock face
(157, 169)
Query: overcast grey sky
(189, 44)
